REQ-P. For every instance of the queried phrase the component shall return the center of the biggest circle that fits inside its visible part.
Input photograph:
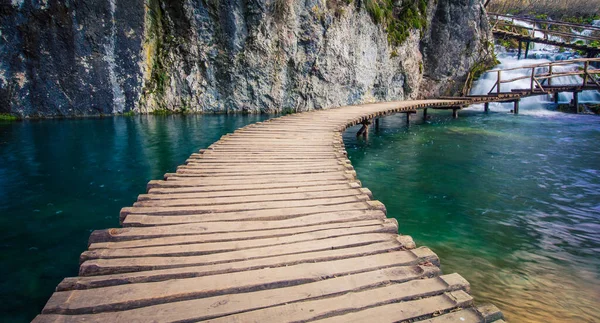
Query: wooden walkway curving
(545, 32)
(269, 224)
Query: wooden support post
(364, 130)
(516, 108)
(520, 45)
(498, 83)
(425, 114)
(556, 98)
(408, 118)
(527, 50)
(576, 101)
(585, 73)
(455, 113)
(550, 72)
(532, 78)
(486, 107)
(377, 124)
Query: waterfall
(538, 55)
(110, 59)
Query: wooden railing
(508, 22)
(541, 75)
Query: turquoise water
(512, 203)
(61, 179)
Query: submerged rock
(64, 58)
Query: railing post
(498, 83)
(550, 74)
(585, 72)
(532, 78)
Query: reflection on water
(512, 203)
(61, 179)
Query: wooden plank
(480, 314)
(338, 176)
(252, 206)
(192, 185)
(124, 297)
(222, 305)
(318, 239)
(142, 220)
(254, 198)
(351, 302)
(261, 215)
(102, 273)
(217, 232)
(407, 310)
(178, 193)
(200, 172)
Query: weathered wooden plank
(157, 194)
(210, 164)
(222, 305)
(251, 206)
(351, 302)
(396, 312)
(245, 169)
(254, 198)
(200, 172)
(142, 220)
(480, 314)
(195, 185)
(124, 297)
(312, 240)
(336, 176)
(217, 232)
(263, 214)
(102, 273)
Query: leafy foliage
(398, 20)
(8, 117)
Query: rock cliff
(87, 57)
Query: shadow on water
(512, 203)
(61, 179)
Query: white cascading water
(110, 58)
(540, 53)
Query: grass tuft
(398, 18)
(8, 117)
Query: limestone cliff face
(459, 37)
(84, 57)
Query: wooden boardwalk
(548, 33)
(541, 79)
(269, 224)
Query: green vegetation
(8, 117)
(574, 11)
(481, 67)
(157, 47)
(130, 113)
(398, 20)
(583, 20)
